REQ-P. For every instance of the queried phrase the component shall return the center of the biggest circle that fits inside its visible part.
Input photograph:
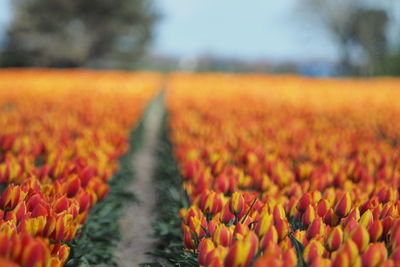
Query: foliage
(79, 33)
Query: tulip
(343, 205)
(304, 202)
(210, 203)
(367, 219)
(309, 215)
(283, 228)
(236, 203)
(375, 231)
(205, 246)
(335, 239)
(242, 251)
(316, 228)
(279, 212)
(360, 237)
(264, 223)
(11, 196)
(188, 238)
(226, 216)
(341, 260)
(374, 255)
(323, 207)
(289, 258)
(217, 254)
(350, 250)
(270, 236)
(330, 218)
(222, 235)
(240, 231)
(313, 250)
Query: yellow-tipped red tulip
(313, 250)
(360, 237)
(316, 228)
(270, 236)
(205, 246)
(242, 251)
(309, 215)
(375, 230)
(375, 255)
(343, 205)
(222, 235)
(335, 239)
(264, 223)
(236, 203)
(366, 219)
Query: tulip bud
(330, 218)
(11, 196)
(375, 230)
(309, 215)
(360, 237)
(240, 231)
(205, 246)
(341, 260)
(226, 216)
(304, 202)
(222, 235)
(72, 187)
(216, 254)
(335, 239)
(270, 236)
(313, 250)
(63, 253)
(264, 224)
(279, 212)
(374, 255)
(188, 237)
(323, 207)
(289, 258)
(196, 225)
(242, 251)
(316, 228)
(210, 203)
(283, 228)
(350, 249)
(236, 203)
(367, 219)
(343, 206)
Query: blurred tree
(367, 28)
(79, 33)
(355, 26)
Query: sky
(251, 29)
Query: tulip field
(61, 134)
(253, 170)
(288, 171)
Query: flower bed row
(62, 133)
(286, 171)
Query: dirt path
(136, 224)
